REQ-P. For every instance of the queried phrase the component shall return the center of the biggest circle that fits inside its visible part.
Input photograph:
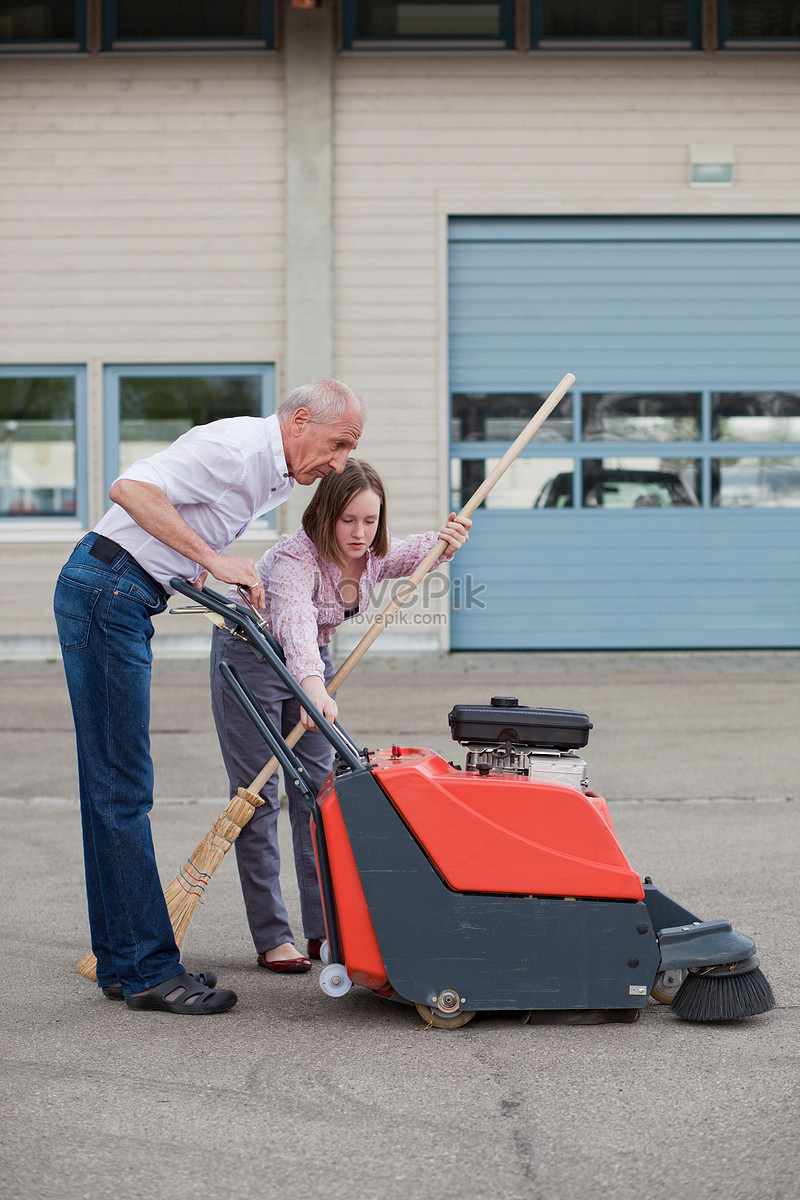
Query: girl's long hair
(332, 497)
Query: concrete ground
(295, 1094)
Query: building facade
(448, 207)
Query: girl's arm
(406, 554)
(315, 687)
(291, 586)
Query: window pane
(522, 485)
(483, 417)
(556, 490)
(755, 417)
(772, 19)
(640, 483)
(755, 482)
(419, 18)
(37, 447)
(155, 410)
(188, 19)
(620, 417)
(615, 18)
(37, 22)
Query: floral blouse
(303, 604)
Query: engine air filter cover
(506, 720)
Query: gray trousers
(245, 752)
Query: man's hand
(242, 571)
(314, 687)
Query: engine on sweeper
(508, 738)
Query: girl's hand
(456, 531)
(314, 687)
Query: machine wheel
(334, 980)
(440, 1020)
(325, 953)
(666, 985)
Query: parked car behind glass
(618, 488)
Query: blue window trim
(76, 44)
(265, 42)
(352, 41)
(113, 374)
(705, 449)
(628, 229)
(692, 41)
(724, 43)
(78, 373)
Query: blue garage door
(659, 507)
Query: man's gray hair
(327, 400)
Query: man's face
(314, 450)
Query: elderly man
(173, 515)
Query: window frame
(113, 373)
(352, 41)
(95, 31)
(704, 448)
(748, 44)
(692, 42)
(52, 521)
(74, 45)
(111, 43)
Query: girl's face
(358, 524)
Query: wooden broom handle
(410, 584)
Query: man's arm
(152, 511)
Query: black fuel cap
(505, 702)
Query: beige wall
(141, 219)
(143, 214)
(142, 208)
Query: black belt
(107, 550)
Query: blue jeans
(103, 613)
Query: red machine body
(493, 834)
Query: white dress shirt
(219, 477)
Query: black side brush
(724, 993)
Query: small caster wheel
(666, 985)
(334, 980)
(440, 1020)
(325, 952)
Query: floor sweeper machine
(495, 883)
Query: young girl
(313, 580)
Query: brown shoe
(313, 947)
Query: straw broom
(185, 891)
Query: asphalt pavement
(296, 1094)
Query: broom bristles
(185, 891)
(723, 998)
(88, 967)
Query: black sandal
(208, 978)
(184, 994)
